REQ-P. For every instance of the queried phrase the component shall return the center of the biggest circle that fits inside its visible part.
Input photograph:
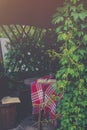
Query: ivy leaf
(81, 52)
(83, 26)
(74, 1)
(73, 8)
(84, 103)
(58, 29)
(80, 33)
(60, 37)
(75, 57)
(75, 16)
(57, 20)
(85, 39)
(83, 15)
(71, 71)
(81, 67)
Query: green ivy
(71, 29)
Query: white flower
(20, 61)
(23, 67)
(9, 70)
(26, 69)
(29, 53)
(37, 69)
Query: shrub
(71, 22)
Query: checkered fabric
(36, 96)
(50, 102)
(41, 95)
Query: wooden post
(39, 121)
(1, 57)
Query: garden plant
(28, 57)
(71, 29)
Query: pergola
(25, 14)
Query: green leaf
(75, 16)
(85, 38)
(83, 26)
(70, 71)
(57, 20)
(60, 37)
(80, 33)
(75, 57)
(81, 52)
(58, 29)
(73, 8)
(83, 15)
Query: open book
(8, 100)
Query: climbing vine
(71, 29)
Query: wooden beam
(23, 28)
(29, 29)
(39, 35)
(4, 30)
(12, 32)
(1, 57)
(34, 32)
(21, 34)
(17, 29)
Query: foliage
(71, 29)
(1, 70)
(29, 57)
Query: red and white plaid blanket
(42, 98)
(50, 102)
(36, 96)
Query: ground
(30, 124)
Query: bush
(71, 21)
(29, 57)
